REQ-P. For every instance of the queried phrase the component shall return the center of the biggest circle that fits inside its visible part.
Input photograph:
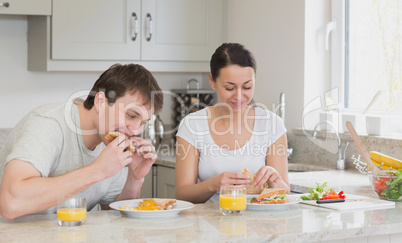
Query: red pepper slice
(341, 195)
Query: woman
(216, 143)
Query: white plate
(292, 199)
(178, 207)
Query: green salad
(315, 193)
(389, 186)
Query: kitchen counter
(168, 160)
(297, 223)
(350, 180)
(203, 223)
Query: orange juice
(71, 214)
(232, 202)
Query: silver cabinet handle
(6, 4)
(150, 28)
(134, 26)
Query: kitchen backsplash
(306, 150)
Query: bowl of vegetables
(387, 185)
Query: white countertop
(349, 181)
(203, 223)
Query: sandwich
(162, 203)
(112, 135)
(271, 196)
(250, 188)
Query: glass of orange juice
(232, 200)
(71, 210)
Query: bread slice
(268, 192)
(163, 203)
(250, 188)
(112, 135)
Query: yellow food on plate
(152, 204)
(148, 205)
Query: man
(59, 149)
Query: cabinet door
(182, 30)
(146, 190)
(95, 29)
(26, 7)
(165, 182)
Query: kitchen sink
(304, 168)
(297, 189)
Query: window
(367, 55)
(366, 64)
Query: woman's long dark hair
(231, 54)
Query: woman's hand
(143, 158)
(230, 178)
(266, 174)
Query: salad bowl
(387, 186)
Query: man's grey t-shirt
(51, 140)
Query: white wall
(274, 31)
(22, 90)
(286, 37)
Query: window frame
(338, 57)
(339, 75)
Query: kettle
(154, 131)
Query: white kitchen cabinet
(146, 190)
(182, 30)
(95, 30)
(165, 182)
(162, 35)
(26, 7)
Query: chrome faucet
(340, 163)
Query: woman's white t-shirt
(215, 160)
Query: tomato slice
(254, 200)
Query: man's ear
(100, 101)
(212, 82)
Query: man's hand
(143, 158)
(113, 158)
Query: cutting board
(354, 202)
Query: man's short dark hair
(120, 79)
